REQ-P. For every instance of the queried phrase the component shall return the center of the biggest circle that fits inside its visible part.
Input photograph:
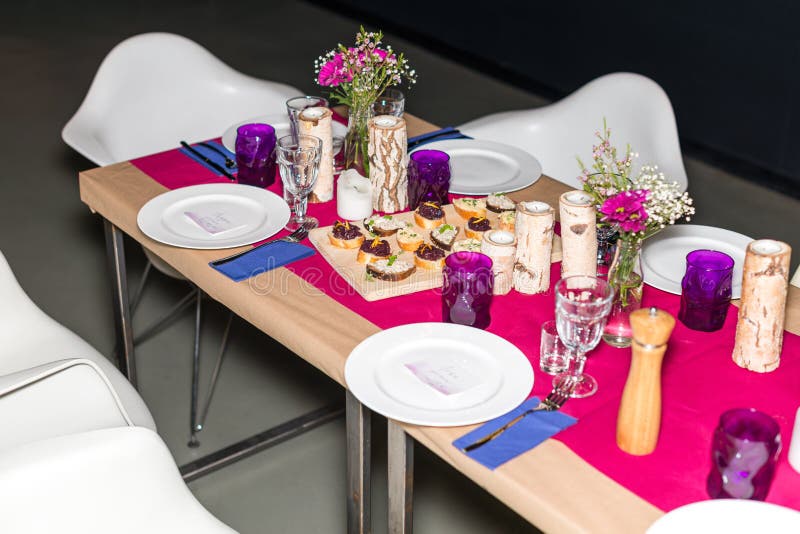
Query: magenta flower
(334, 72)
(626, 209)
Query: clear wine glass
(582, 307)
(298, 159)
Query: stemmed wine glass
(582, 307)
(298, 158)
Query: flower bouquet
(636, 208)
(357, 76)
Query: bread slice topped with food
(476, 226)
(467, 245)
(444, 235)
(429, 215)
(391, 269)
(499, 202)
(507, 220)
(345, 235)
(409, 239)
(373, 249)
(384, 225)
(470, 207)
(429, 257)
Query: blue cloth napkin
(264, 259)
(217, 158)
(438, 135)
(529, 432)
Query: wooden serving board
(345, 263)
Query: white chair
(152, 91)
(33, 346)
(120, 480)
(637, 110)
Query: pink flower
(627, 210)
(334, 72)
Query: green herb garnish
(445, 227)
(391, 261)
(387, 217)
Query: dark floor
(49, 52)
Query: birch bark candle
(762, 311)
(316, 121)
(387, 163)
(578, 234)
(534, 228)
(501, 247)
(353, 196)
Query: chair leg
(193, 442)
(137, 295)
(163, 320)
(215, 375)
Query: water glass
(467, 289)
(582, 307)
(553, 354)
(255, 154)
(391, 102)
(298, 159)
(428, 177)
(706, 290)
(744, 452)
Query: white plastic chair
(152, 91)
(636, 108)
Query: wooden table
(550, 486)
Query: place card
(445, 374)
(214, 222)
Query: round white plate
(249, 213)
(281, 124)
(499, 374)
(482, 167)
(664, 255)
(731, 516)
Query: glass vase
(606, 247)
(625, 276)
(356, 142)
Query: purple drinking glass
(744, 452)
(467, 289)
(706, 290)
(428, 177)
(255, 154)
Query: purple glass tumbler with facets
(744, 452)
(255, 154)
(467, 289)
(706, 290)
(428, 177)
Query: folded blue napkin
(213, 155)
(264, 259)
(521, 437)
(437, 135)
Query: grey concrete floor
(49, 52)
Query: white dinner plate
(487, 375)
(664, 255)
(729, 516)
(212, 216)
(481, 167)
(281, 124)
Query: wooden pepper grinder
(639, 418)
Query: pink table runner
(700, 380)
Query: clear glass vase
(625, 276)
(356, 142)
(607, 236)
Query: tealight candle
(353, 196)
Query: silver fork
(295, 237)
(555, 400)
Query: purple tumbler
(744, 452)
(706, 290)
(255, 154)
(467, 289)
(428, 177)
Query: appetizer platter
(386, 256)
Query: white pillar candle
(353, 196)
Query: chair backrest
(154, 89)
(637, 110)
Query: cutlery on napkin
(437, 135)
(521, 437)
(263, 259)
(212, 156)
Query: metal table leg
(401, 479)
(359, 438)
(115, 249)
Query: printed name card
(445, 374)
